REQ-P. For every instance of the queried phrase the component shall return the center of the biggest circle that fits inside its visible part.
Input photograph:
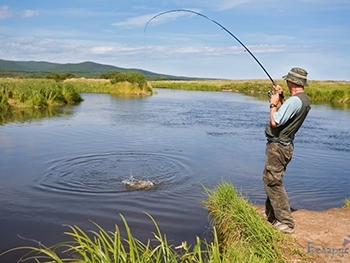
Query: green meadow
(41, 93)
(329, 92)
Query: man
(286, 117)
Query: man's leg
(277, 203)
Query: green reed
(36, 93)
(109, 246)
(347, 203)
(319, 91)
(245, 236)
(126, 88)
(41, 93)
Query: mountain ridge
(10, 68)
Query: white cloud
(29, 13)
(6, 12)
(141, 21)
(228, 4)
(101, 49)
(217, 5)
(138, 21)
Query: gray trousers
(277, 203)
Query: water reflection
(28, 115)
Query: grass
(244, 235)
(124, 88)
(31, 93)
(334, 92)
(347, 203)
(239, 235)
(41, 93)
(105, 247)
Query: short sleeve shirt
(288, 109)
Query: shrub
(132, 77)
(60, 76)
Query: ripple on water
(106, 173)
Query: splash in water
(133, 183)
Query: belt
(280, 142)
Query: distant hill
(38, 69)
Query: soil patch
(324, 235)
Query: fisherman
(286, 117)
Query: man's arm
(275, 102)
(287, 111)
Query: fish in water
(133, 183)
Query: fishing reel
(270, 93)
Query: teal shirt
(288, 109)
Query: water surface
(69, 168)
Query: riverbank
(43, 93)
(331, 92)
(240, 234)
(320, 236)
(324, 235)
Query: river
(69, 168)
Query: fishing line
(221, 26)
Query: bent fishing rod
(221, 26)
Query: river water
(69, 168)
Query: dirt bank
(324, 234)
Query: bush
(60, 76)
(110, 74)
(132, 77)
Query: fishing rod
(221, 26)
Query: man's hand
(275, 99)
(278, 89)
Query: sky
(281, 34)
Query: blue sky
(313, 34)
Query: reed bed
(245, 236)
(106, 247)
(123, 88)
(33, 93)
(41, 93)
(334, 92)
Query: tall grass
(106, 246)
(244, 235)
(336, 92)
(34, 93)
(41, 93)
(125, 88)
